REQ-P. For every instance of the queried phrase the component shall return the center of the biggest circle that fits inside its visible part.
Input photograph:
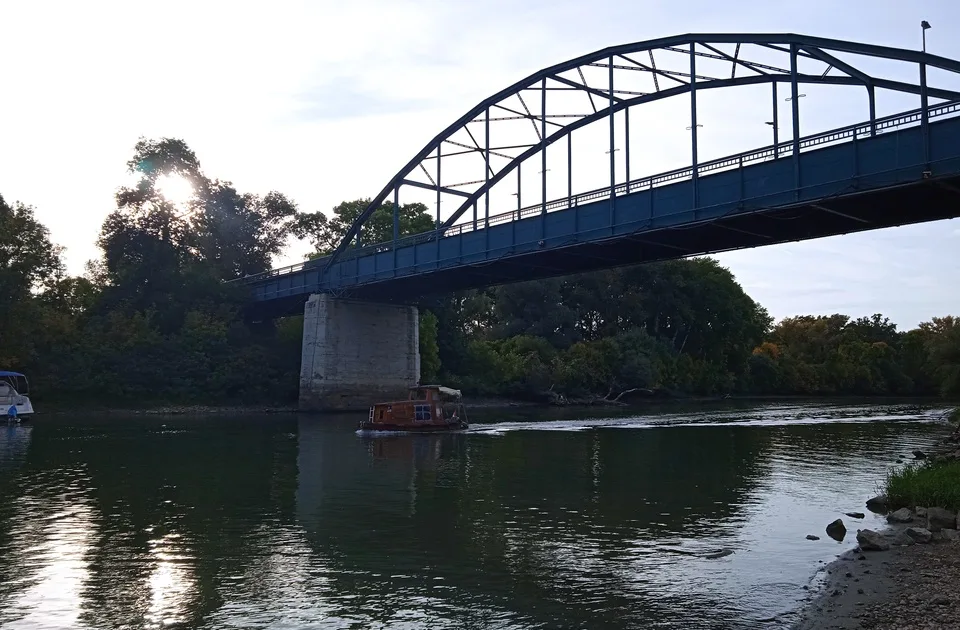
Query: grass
(932, 484)
(954, 416)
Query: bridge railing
(739, 160)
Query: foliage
(929, 484)
(325, 233)
(152, 320)
(429, 350)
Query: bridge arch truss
(549, 105)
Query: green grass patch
(954, 416)
(932, 484)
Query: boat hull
(384, 427)
(20, 409)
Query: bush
(933, 484)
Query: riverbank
(483, 402)
(909, 584)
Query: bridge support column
(356, 353)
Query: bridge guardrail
(783, 149)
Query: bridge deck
(859, 183)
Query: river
(532, 519)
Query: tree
(325, 233)
(429, 351)
(239, 234)
(30, 264)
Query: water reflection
(298, 522)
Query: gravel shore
(905, 587)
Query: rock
(902, 540)
(919, 454)
(812, 537)
(921, 512)
(836, 530)
(877, 503)
(871, 541)
(718, 554)
(939, 518)
(855, 514)
(919, 534)
(903, 515)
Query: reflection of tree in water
(518, 522)
(190, 491)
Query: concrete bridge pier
(356, 353)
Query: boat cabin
(428, 407)
(14, 395)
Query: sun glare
(175, 189)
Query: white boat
(14, 399)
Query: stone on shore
(903, 515)
(855, 514)
(921, 512)
(871, 541)
(878, 503)
(836, 530)
(901, 539)
(812, 537)
(939, 518)
(919, 454)
(919, 534)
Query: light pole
(924, 25)
(776, 140)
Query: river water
(532, 519)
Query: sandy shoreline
(885, 589)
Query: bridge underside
(927, 200)
(889, 180)
(931, 200)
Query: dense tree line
(153, 321)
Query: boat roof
(443, 390)
(4, 373)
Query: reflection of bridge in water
(490, 516)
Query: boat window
(5, 390)
(421, 412)
(381, 414)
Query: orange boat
(429, 408)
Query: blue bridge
(895, 169)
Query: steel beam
(777, 41)
(924, 115)
(613, 163)
(776, 122)
(795, 115)
(693, 129)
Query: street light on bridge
(790, 98)
(924, 25)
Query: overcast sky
(324, 101)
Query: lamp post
(924, 25)
(776, 140)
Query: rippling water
(545, 521)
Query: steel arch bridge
(882, 171)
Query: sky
(325, 101)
